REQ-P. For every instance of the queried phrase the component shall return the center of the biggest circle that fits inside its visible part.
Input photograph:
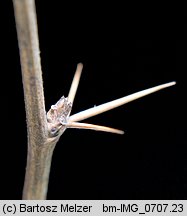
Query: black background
(124, 49)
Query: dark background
(124, 49)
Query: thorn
(75, 83)
(93, 127)
(116, 103)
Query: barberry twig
(44, 130)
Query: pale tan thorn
(75, 83)
(93, 127)
(116, 103)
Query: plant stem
(42, 134)
(39, 148)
